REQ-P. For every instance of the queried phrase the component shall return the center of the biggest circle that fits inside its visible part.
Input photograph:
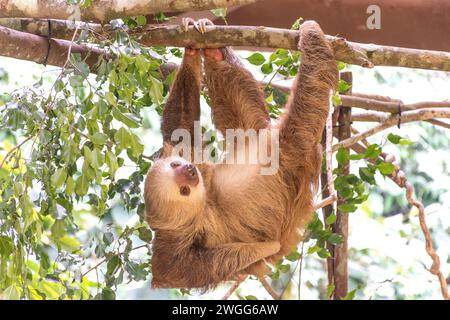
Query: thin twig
(234, 287)
(399, 177)
(104, 260)
(302, 255)
(269, 289)
(10, 152)
(329, 164)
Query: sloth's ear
(166, 150)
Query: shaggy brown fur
(234, 220)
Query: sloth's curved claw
(202, 23)
(186, 22)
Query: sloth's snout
(186, 175)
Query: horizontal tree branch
(366, 55)
(30, 47)
(106, 10)
(25, 46)
(369, 116)
(375, 116)
(375, 103)
(388, 106)
(408, 116)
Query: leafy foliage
(78, 136)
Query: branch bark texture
(106, 10)
(365, 55)
(26, 46)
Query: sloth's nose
(186, 175)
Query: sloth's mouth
(185, 190)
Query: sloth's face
(174, 189)
(177, 178)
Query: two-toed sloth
(214, 222)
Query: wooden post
(326, 213)
(341, 224)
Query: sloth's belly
(232, 178)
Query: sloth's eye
(175, 164)
(185, 191)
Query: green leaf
(395, 139)
(97, 159)
(367, 175)
(76, 81)
(141, 20)
(80, 67)
(142, 64)
(373, 151)
(70, 152)
(99, 138)
(405, 142)
(126, 118)
(330, 219)
(250, 297)
(111, 162)
(87, 154)
(360, 188)
(113, 265)
(335, 238)
(145, 234)
(403, 234)
(122, 137)
(59, 177)
(341, 65)
(293, 256)
(11, 293)
(136, 147)
(347, 207)
(51, 290)
(6, 246)
(59, 85)
(257, 59)
(336, 99)
(386, 168)
(343, 86)
(285, 268)
(221, 12)
(296, 24)
(357, 156)
(108, 294)
(342, 156)
(70, 186)
(82, 185)
(330, 290)
(58, 228)
(111, 99)
(323, 253)
(267, 68)
(350, 295)
(69, 243)
(156, 90)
